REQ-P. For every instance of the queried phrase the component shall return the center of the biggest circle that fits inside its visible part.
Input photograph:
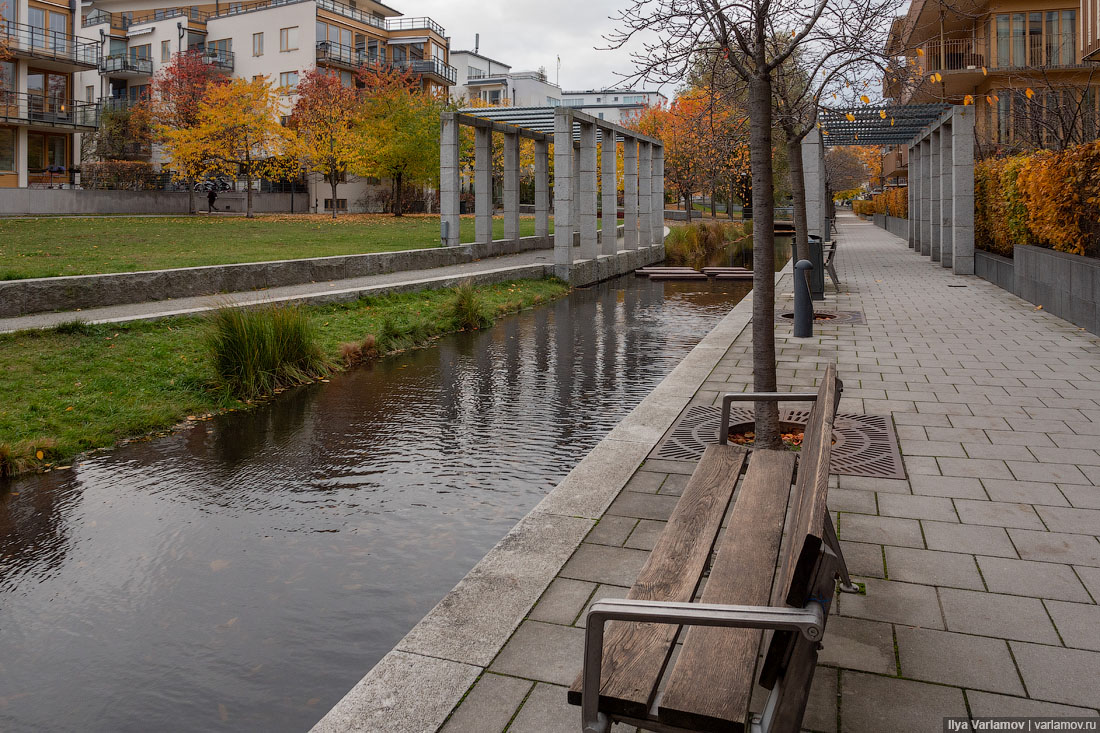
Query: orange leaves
(968, 99)
(1029, 92)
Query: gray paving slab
(856, 643)
(989, 705)
(1078, 623)
(872, 703)
(996, 614)
(902, 603)
(562, 601)
(930, 567)
(489, 705)
(544, 652)
(1035, 579)
(1057, 674)
(961, 660)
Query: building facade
(1023, 64)
(614, 105)
(40, 113)
(487, 81)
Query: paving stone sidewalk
(982, 568)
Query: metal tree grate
(854, 318)
(866, 445)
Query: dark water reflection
(245, 573)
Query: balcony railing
(123, 21)
(340, 54)
(954, 55)
(974, 54)
(125, 64)
(391, 24)
(118, 104)
(29, 108)
(434, 66)
(408, 24)
(31, 41)
(222, 60)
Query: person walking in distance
(211, 197)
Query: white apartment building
(279, 39)
(480, 78)
(613, 105)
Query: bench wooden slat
(635, 654)
(711, 683)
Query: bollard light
(803, 307)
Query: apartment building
(613, 105)
(482, 79)
(1024, 64)
(39, 116)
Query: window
(257, 44)
(222, 47)
(288, 82)
(600, 115)
(235, 7)
(7, 76)
(138, 92)
(341, 205)
(165, 51)
(288, 39)
(258, 77)
(44, 150)
(89, 94)
(141, 52)
(7, 149)
(599, 100)
(616, 99)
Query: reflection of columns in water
(610, 338)
(632, 344)
(564, 325)
(449, 396)
(512, 339)
(542, 328)
(585, 336)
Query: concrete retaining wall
(1067, 286)
(896, 226)
(37, 295)
(33, 202)
(605, 267)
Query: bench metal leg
(831, 269)
(846, 584)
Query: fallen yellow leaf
(39, 455)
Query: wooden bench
(775, 569)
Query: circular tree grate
(865, 445)
(855, 318)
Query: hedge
(1048, 199)
(864, 208)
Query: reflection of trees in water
(34, 539)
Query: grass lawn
(78, 386)
(49, 247)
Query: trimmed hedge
(863, 208)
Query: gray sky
(531, 33)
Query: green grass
(79, 386)
(50, 247)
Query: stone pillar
(911, 188)
(645, 194)
(934, 198)
(946, 201)
(813, 174)
(630, 193)
(610, 182)
(542, 188)
(576, 192)
(449, 182)
(926, 198)
(563, 193)
(590, 248)
(483, 184)
(511, 186)
(658, 193)
(962, 187)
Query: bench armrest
(809, 621)
(727, 399)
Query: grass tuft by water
(469, 310)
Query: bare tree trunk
(763, 257)
(332, 182)
(190, 195)
(398, 202)
(687, 206)
(713, 196)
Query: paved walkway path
(982, 568)
(347, 289)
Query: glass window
(36, 151)
(257, 44)
(1004, 41)
(1035, 39)
(165, 51)
(7, 149)
(89, 94)
(141, 52)
(1053, 39)
(55, 150)
(1018, 40)
(322, 31)
(222, 46)
(7, 76)
(288, 81)
(36, 19)
(1069, 37)
(288, 39)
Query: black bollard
(803, 307)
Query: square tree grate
(866, 445)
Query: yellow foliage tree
(325, 121)
(238, 134)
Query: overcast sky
(528, 34)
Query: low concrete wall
(37, 295)
(1066, 285)
(35, 202)
(896, 226)
(605, 267)
(996, 269)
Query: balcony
(435, 67)
(221, 60)
(337, 54)
(50, 49)
(22, 108)
(409, 24)
(126, 67)
(962, 55)
(337, 8)
(124, 21)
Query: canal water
(243, 574)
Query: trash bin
(817, 275)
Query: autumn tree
(844, 169)
(122, 134)
(325, 120)
(238, 133)
(178, 90)
(751, 40)
(398, 129)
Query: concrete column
(911, 188)
(962, 187)
(813, 173)
(590, 248)
(926, 198)
(610, 183)
(483, 185)
(645, 194)
(449, 182)
(542, 188)
(630, 193)
(563, 193)
(934, 175)
(658, 194)
(576, 192)
(511, 186)
(946, 205)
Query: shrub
(259, 350)
(131, 175)
(863, 208)
(468, 310)
(694, 243)
(897, 202)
